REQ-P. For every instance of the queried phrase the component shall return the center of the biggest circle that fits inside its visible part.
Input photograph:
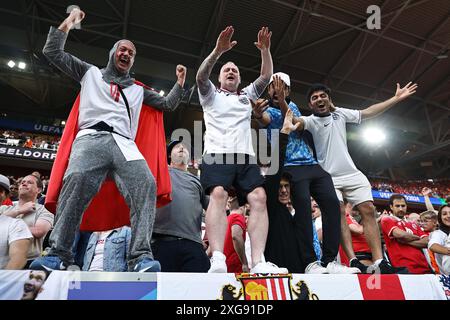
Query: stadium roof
(313, 41)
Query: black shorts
(233, 172)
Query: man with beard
(327, 126)
(404, 239)
(110, 104)
(33, 285)
(176, 240)
(307, 179)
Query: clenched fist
(181, 74)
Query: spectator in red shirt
(404, 240)
(234, 246)
(361, 249)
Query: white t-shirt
(438, 237)
(96, 104)
(97, 260)
(41, 213)
(11, 230)
(330, 140)
(318, 223)
(227, 119)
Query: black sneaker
(354, 263)
(386, 268)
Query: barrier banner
(77, 285)
(27, 153)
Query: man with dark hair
(327, 125)
(37, 218)
(234, 245)
(109, 111)
(404, 239)
(398, 204)
(176, 239)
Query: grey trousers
(94, 157)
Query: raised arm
(173, 99)
(273, 181)
(426, 192)
(379, 108)
(263, 44)
(54, 48)
(223, 44)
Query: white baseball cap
(4, 183)
(283, 76)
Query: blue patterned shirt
(298, 152)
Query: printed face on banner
(33, 286)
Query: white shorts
(355, 188)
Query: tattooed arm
(223, 44)
(263, 45)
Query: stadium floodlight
(22, 65)
(374, 136)
(11, 64)
(63, 123)
(161, 93)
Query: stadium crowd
(294, 220)
(29, 140)
(440, 188)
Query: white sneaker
(315, 268)
(335, 268)
(218, 264)
(267, 267)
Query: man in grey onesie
(110, 103)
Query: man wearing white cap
(308, 179)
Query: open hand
(279, 86)
(288, 125)
(263, 39)
(224, 42)
(259, 106)
(406, 91)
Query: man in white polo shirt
(327, 125)
(228, 160)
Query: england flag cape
(108, 209)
